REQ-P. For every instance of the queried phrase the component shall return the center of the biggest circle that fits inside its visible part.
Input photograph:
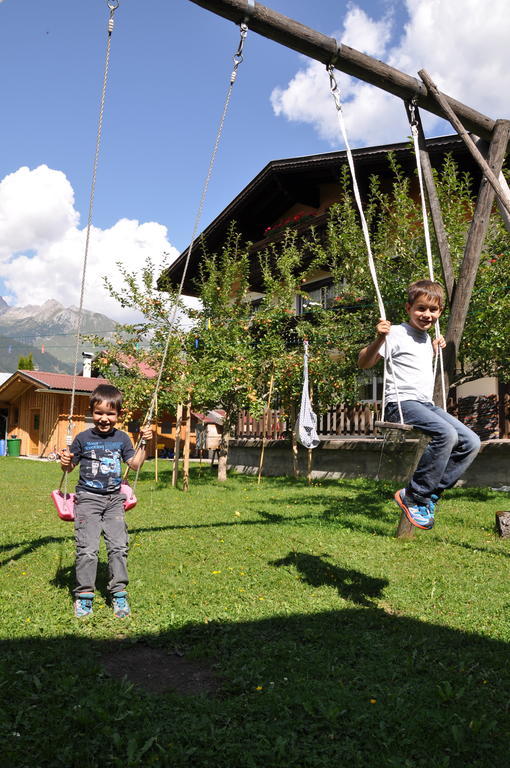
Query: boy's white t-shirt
(409, 363)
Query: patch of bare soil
(156, 671)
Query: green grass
(335, 643)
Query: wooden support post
(503, 524)
(472, 253)
(267, 417)
(309, 466)
(450, 115)
(177, 446)
(483, 146)
(434, 206)
(405, 529)
(327, 50)
(156, 444)
(187, 441)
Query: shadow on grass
(27, 547)
(317, 572)
(340, 688)
(65, 579)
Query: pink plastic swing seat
(65, 503)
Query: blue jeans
(451, 450)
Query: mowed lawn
(273, 625)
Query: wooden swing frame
(426, 95)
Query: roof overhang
(283, 183)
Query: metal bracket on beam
(250, 7)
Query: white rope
(428, 247)
(112, 5)
(366, 235)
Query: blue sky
(170, 64)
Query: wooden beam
(472, 253)
(315, 45)
(484, 148)
(468, 141)
(434, 206)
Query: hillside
(47, 331)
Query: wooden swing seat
(398, 426)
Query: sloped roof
(131, 362)
(64, 380)
(52, 382)
(283, 183)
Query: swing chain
(238, 55)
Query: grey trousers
(95, 514)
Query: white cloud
(461, 43)
(42, 246)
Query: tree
(26, 363)
(132, 359)
(222, 362)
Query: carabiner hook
(412, 111)
(112, 4)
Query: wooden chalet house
(298, 192)
(35, 408)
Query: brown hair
(428, 288)
(106, 393)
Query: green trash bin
(13, 446)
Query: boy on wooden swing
(408, 351)
(99, 504)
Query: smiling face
(423, 312)
(104, 417)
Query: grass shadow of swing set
(306, 689)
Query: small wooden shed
(37, 405)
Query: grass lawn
(321, 639)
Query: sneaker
(432, 504)
(83, 604)
(120, 604)
(418, 515)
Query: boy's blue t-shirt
(100, 459)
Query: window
(371, 389)
(37, 421)
(321, 293)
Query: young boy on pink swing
(408, 351)
(99, 503)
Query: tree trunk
(177, 447)
(223, 450)
(294, 445)
(187, 440)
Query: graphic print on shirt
(100, 460)
(105, 466)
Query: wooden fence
(488, 416)
(337, 421)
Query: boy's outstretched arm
(369, 355)
(138, 459)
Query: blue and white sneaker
(432, 504)
(120, 604)
(417, 514)
(83, 604)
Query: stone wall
(364, 457)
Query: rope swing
(63, 500)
